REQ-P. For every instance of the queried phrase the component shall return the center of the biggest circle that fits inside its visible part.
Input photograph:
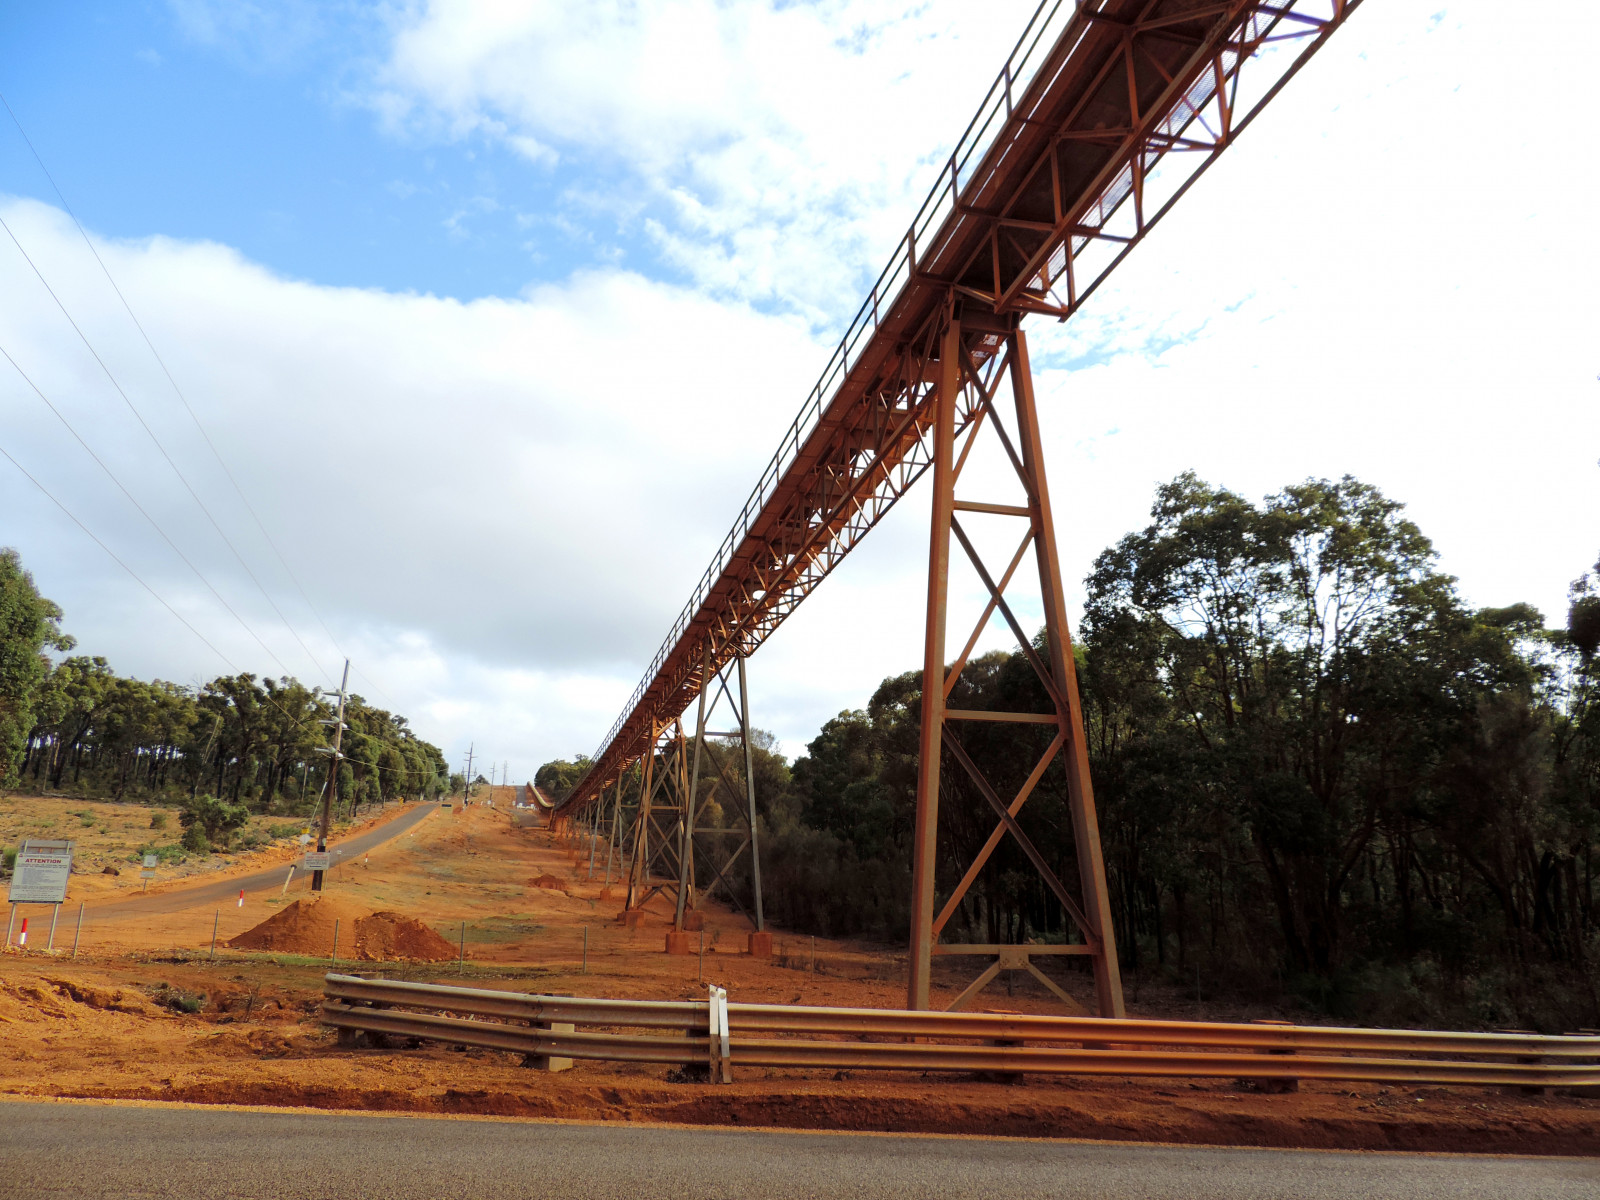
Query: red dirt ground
(115, 1023)
(311, 927)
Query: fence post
(79, 931)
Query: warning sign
(41, 873)
(315, 861)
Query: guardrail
(721, 1037)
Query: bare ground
(116, 1023)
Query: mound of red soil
(389, 935)
(553, 882)
(307, 927)
(304, 927)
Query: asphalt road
(106, 1150)
(180, 899)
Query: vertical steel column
(1080, 792)
(686, 851)
(639, 860)
(925, 838)
(750, 793)
(616, 820)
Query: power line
(150, 433)
(154, 524)
(193, 416)
(74, 519)
(162, 600)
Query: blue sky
(497, 309)
(258, 138)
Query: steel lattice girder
(1103, 116)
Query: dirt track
(113, 1024)
(189, 894)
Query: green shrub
(10, 859)
(158, 819)
(216, 819)
(195, 840)
(172, 852)
(178, 999)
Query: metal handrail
(1039, 36)
(973, 1041)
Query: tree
(559, 776)
(29, 624)
(216, 819)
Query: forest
(236, 745)
(1320, 775)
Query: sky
(488, 315)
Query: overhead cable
(71, 516)
(193, 416)
(150, 433)
(154, 524)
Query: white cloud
(492, 492)
(780, 148)
(501, 505)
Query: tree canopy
(256, 743)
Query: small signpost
(149, 871)
(40, 876)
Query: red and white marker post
(24, 939)
(241, 897)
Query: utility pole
(466, 787)
(333, 775)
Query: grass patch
(172, 853)
(494, 931)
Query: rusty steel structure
(1103, 116)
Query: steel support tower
(1102, 117)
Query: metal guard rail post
(772, 1035)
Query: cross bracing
(1101, 118)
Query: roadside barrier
(722, 1037)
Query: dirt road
(272, 878)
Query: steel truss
(700, 841)
(1102, 118)
(967, 407)
(1105, 114)
(656, 832)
